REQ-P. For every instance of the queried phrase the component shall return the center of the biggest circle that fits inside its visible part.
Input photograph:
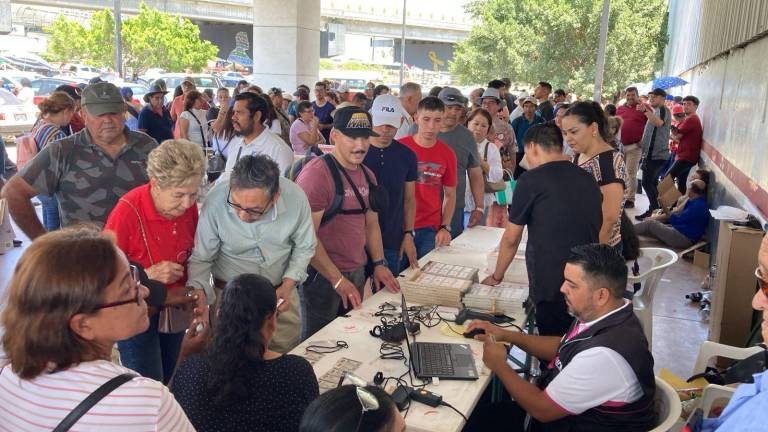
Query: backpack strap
(338, 197)
(100, 393)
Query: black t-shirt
(562, 206)
(281, 390)
(212, 113)
(547, 110)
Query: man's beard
(245, 131)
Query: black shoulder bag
(92, 399)
(200, 125)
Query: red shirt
(633, 126)
(690, 141)
(436, 167)
(168, 240)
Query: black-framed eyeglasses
(368, 401)
(249, 211)
(134, 272)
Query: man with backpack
(345, 200)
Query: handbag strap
(141, 228)
(200, 125)
(485, 155)
(92, 399)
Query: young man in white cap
(395, 167)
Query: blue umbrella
(668, 82)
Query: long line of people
(267, 262)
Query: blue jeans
(152, 354)
(425, 241)
(51, 220)
(395, 265)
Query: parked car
(15, 118)
(202, 82)
(80, 70)
(45, 86)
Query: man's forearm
(323, 264)
(543, 347)
(373, 241)
(507, 251)
(449, 204)
(409, 213)
(21, 209)
(533, 400)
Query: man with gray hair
(257, 222)
(88, 171)
(410, 96)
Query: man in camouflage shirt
(88, 171)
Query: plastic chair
(668, 406)
(642, 302)
(714, 393)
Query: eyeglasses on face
(249, 211)
(134, 272)
(761, 282)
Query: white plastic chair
(642, 302)
(715, 393)
(668, 406)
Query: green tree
(63, 46)
(150, 39)
(557, 40)
(157, 39)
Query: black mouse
(471, 334)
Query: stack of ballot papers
(506, 297)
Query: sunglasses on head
(368, 401)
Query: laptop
(442, 360)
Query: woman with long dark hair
(350, 408)
(237, 383)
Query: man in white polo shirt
(248, 115)
(599, 375)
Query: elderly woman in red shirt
(154, 226)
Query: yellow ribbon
(436, 62)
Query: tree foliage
(150, 39)
(557, 40)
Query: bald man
(682, 229)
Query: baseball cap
(528, 99)
(658, 92)
(451, 96)
(353, 122)
(342, 88)
(386, 110)
(491, 93)
(677, 109)
(102, 98)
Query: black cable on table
(444, 403)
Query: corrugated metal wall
(703, 29)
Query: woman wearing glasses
(237, 383)
(154, 225)
(352, 408)
(72, 296)
(305, 133)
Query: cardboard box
(668, 193)
(701, 259)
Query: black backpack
(294, 171)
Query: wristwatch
(445, 227)
(381, 262)
(413, 234)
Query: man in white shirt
(248, 115)
(600, 374)
(410, 96)
(26, 93)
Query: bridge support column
(286, 43)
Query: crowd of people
(304, 201)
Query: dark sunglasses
(134, 272)
(249, 211)
(761, 282)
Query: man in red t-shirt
(436, 181)
(689, 135)
(337, 271)
(631, 135)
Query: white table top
(365, 348)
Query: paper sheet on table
(483, 239)
(679, 383)
(457, 331)
(729, 213)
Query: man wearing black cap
(346, 221)
(154, 117)
(655, 145)
(87, 172)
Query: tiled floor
(678, 329)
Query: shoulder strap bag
(100, 393)
(491, 187)
(200, 125)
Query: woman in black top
(237, 384)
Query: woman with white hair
(154, 226)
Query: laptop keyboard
(434, 359)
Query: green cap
(102, 98)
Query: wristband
(336, 285)
(480, 209)
(409, 232)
